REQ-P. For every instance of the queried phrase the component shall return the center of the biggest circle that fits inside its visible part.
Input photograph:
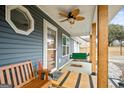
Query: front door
(51, 46)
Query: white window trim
(8, 19)
(45, 25)
(66, 46)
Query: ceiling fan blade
(79, 18)
(75, 12)
(64, 20)
(63, 14)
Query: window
(65, 45)
(20, 19)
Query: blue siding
(16, 48)
(64, 59)
(71, 45)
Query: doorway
(50, 46)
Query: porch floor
(86, 67)
(70, 79)
(76, 75)
(79, 77)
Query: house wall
(71, 45)
(16, 48)
(76, 47)
(62, 60)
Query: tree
(116, 32)
(111, 36)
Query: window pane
(51, 41)
(51, 56)
(68, 44)
(64, 50)
(67, 50)
(67, 41)
(20, 19)
(63, 40)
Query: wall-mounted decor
(20, 19)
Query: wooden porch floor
(70, 79)
(74, 77)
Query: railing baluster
(22, 71)
(18, 74)
(30, 73)
(8, 77)
(2, 77)
(14, 76)
(32, 69)
(26, 71)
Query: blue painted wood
(72, 46)
(19, 46)
(7, 56)
(34, 37)
(15, 41)
(4, 29)
(16, 48)
(4, 51)
(19, 60)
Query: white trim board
(9, 8)
(65, 45)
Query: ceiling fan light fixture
(71, 20)
(72, 16)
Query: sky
(119, 18)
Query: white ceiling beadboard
(80, 28)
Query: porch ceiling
(79, 28)
(112, 11)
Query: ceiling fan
(72, 16)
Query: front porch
(80, 76)
(36, 34)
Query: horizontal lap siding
(61, 31)
(61, 60)
(71, 45)
(15, 47)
